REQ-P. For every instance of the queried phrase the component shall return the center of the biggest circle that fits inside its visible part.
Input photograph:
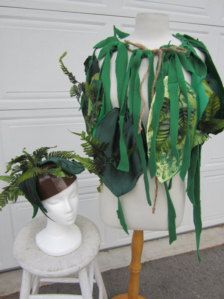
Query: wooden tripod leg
(135, 267)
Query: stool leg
(26, 285)
(99, 281)
(91, 275)
(85, 284)
(35, 284)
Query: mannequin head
(62, 207)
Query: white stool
(39, 267)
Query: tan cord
(156, 195)
(143, 102)
(158, 67)
(156, 51)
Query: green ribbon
(191, 65)
(136, 109)
(105, 78)
(151, 75)
(121, 217)
(173, 90)
(122, 75)
(187, 145)
(193, 192)
(157, 105)
(29, 189)
(171, 216)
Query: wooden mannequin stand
(135, 267)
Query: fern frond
(9, 194)
(62, 154)
(5, 178)
(18, 159)
(91, 145)
(76, 91)
(29, 173)
(42, 152)
(87, 163)
(65, 70)
(29, 157)
(58, 172)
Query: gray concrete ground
(175, 277)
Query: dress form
(152, 31)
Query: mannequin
(60, 236)
(152, 31)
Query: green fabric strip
(122, 76)
(212, 73)
(119, 33)
(198, 71)
(151, 76)
(171, 216)
(121, 69)
(133, 74)
(106, 83)
(174, 106)
(29, 189)
(105, 78)
(193, 192)
(136, 109)
(124, 161)
(106, 49)
(105, 42)
(157, 105)
(187, 145)
(121, 217)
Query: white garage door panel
(35, 108)
(30, 59)
(191, 11)
(212, 190)
(32, 133)
(212, 154)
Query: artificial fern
(77, 88)
(65, 70)
(94, 149)
(30, 166)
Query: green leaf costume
(181, 116)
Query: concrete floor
(176, 277)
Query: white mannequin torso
(152, 31)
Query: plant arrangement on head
(25, 174)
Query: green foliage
(77, 88)
(28, 166)
(95, 150)
(119, 33)
(65, 70)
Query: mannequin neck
(152, 30)
(55, 229)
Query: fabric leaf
(105, 42)
(187, 145)
(70, 167)
(193, 192)
(29, 189)
(120, 33)
(157, 105)
(136, 108)
(121, 217)
(171, 216)
(174, 106)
